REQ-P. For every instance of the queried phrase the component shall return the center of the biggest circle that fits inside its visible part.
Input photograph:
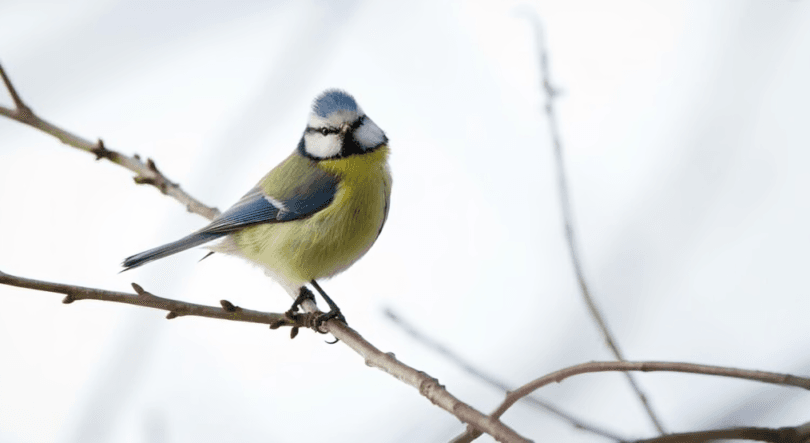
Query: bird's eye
(324, 131)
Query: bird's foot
(326, 316)
(304, 294)
(334, 311)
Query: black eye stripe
(323, 131)
(327, 130)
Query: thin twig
(494, 382)
(146, 172)
(612, 366)
(175, 308)
(565, 202)
(18, 103)
(424, 383)
(793, 434)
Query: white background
(685, 129)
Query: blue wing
(256, 207)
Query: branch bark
(428, 386)
(794, 434)
(613, 366)
(175, 308)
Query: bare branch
(612, 366)
(18, 103)
(565, 202)
(143, 298)
(146, 173)
(424, 383)
(797, 434)
(427, 385)
(494, 382)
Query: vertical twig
(565, 203)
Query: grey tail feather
(168, 249)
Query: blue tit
(313, 215)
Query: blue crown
(333, 100)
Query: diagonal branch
(494, 382)
(146, 172)
(427, 386)
(791, 434)
(613, 366)
(565, 202)
(21, 108)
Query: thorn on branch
(100, 151)
(293, 332)
(157, 180)
(68, 299)
(228, 306)
(139, 289)
(152, 166)
(171, 315)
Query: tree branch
(794, 434)
(175, 308)
(565, 202)
(613, 366)
(494, 382)
(146, 172)
(428, 386)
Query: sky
(683, 126)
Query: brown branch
(175, 308)
(21, 108)
(793, 434)
(146, 172)
(565, 202)
(612, 366)
(424, 383)
(494, 382)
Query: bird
(314, 214)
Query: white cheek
(369, 134)
(322, 146)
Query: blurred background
(684, 127)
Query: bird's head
(339, 128)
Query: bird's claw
(326, 316)
(304, 294)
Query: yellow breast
(334, 238)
